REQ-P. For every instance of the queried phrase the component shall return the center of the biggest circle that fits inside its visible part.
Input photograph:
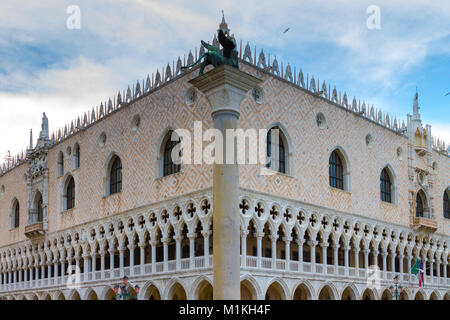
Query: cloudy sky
(47, 67)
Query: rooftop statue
(228, 55)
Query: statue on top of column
(216, 57)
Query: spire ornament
(214, 56)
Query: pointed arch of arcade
(330, 287)
(174, 285)
(90, 294)
(404, 295)
(303, 290)
(46, 296)
(107, 293)
(278, 290)
(74, 295)
(150, 291)
(420, 295)
(369, 294)
(200, 287)
(385, 294)
(250, 286)
(59, 296)
(435, 295)
(33, 297)
(350, 292)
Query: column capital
(153, 243)
(312, 243)
(225, 88)
(142, 244)
(206, 234)
(273, 237)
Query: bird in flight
(447, 93)
(286, 30)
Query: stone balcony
(424, 223)
(34, 230)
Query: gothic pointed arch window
(38, 212)
(115, 176)
(76, 156)
(15, 214)
(336, 170)
(447, 204)
(169, 166)
(70, 193)
(60, 162)
(421, 205)
(277, 153)
(386, 185)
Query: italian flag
(417, 270)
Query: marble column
(259, 237)
(346, 256)
(142, 256)
(273, 239)
(287, 250)
(102, 263)
(111, 260)
(153, 245)
(384, 256)
(366, 259)
(356, 252)
(131, 249)
(324, 247)
(401, 257)
(225, 87)
(165, 254)
(206, 247)
(244, 248)
(178, 252)
(191, 250)
(312, 250)
(300, 254)
(335, 257)
(121, 261)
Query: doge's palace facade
(355, 199)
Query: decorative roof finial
(416, 106)
(223, 25)
(31, 139)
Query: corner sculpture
(216, 57)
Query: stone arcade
(353, 188)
